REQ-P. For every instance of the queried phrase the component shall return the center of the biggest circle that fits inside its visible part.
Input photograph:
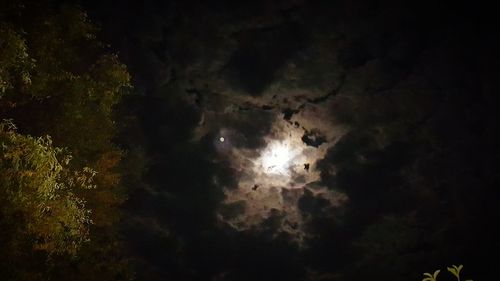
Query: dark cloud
(411, 83)
(260, 54)
(313, 138)
(354, 54)
(247, 128)
(232, 210)
(288, 113)
(311, 205)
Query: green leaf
(455, 270)
(436, 274)
(431, 277)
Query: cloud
(260, 54)
(382, 101)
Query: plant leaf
(436, 274)
(453, 271)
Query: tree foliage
(14, 60)
(37, 189)
(60, 86)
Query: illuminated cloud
(272, 180)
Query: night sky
(307, 140)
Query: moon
(277, 158)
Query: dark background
(425, 200)
(420, 203)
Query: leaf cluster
(37, 189)
(454, 269)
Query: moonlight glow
(278, 157)
(275, 177)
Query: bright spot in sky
(276, 176)
(221, 139)
(277, 158)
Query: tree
(39, 208)
(58, 80)
(14, 60)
